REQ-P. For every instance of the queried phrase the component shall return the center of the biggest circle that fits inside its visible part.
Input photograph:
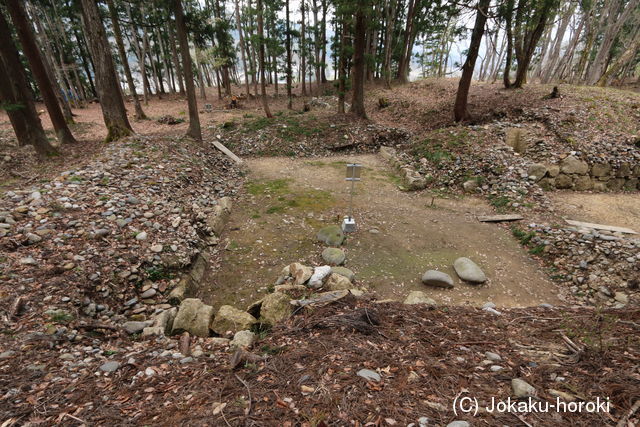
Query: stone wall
(576, 174)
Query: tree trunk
(460, 109)
(52, 72)
(113, 110)
(342, 67)
(242, 47)
(140, 54)
(31, 51)
(555, 50)
(139, 113)
(194, 120)
(288, 43)
(303, 50)
(357, 102)
(388, 40)
(263, 90)
(621, 61)
(323, 75)
(614, 25)
(16, 97)
(174, 58)
(405, 57)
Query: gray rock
(538, 170)
(458, 423)
(33, 238)
(300, 273)
(333, 256)
(573, 165)
(275, 308)
(419, 297)
(134, 327)
(141, 236)
(243, 339)
(7, 354)
(369, 375)
(148, 293)
(343, 271)
(110, 366)
(319, 275)
(522, 388)
(468, 270)
(187, 359)
(437, 278)
(337, 282)
(229, 318)
(470, 186)
(331, 235)
(194, 317)
(494, 357)
(28, 261)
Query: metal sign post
(353, 175)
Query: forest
(320, 212)
(68, 53)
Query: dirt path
(400, 236)
(622, 209)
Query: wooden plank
(500, 218)
(228, 152)
(600, 226)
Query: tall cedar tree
(109, 94)
(263, 90)
(194, 120)
(357, 101)
(15, 96)
(288, 43)
(139, 115)
(31, 51)
(460, 109)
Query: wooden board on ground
(600, 226)
(228, 152)
(500, 218)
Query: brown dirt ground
(276, 226)
(622, 210)
(310, 376)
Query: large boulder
(469, 271)
(333, 256)
(229, 318)
(300, 273)
(276, 307)
(419, 297)
(537, 170)
(573, 165)
(564, 181)
(194, 317)
(601, 169)
(331, 235)
(437, 278)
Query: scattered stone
(300, 273)
(141, 236)
(110, 366)
(149, 293)
(242, 339)
(419, 297)
(494, 357)
(521, 388)
(437, 278)
(333, 256)
(468, 270)
(319, 275)
(337, 282)
(458, 423)
(369, 375)
(156, 248)
(343, 271)
(134, 327)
